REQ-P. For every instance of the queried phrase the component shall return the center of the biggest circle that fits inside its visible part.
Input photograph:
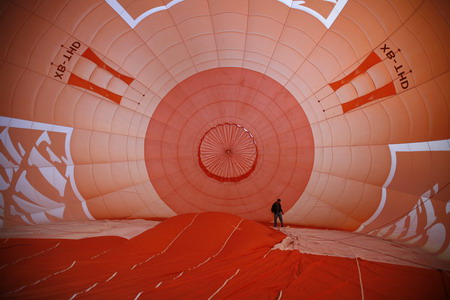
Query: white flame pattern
(28, 201)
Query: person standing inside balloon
(277, 212)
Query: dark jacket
(276, 207)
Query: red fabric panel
(198, 256)
(325, 277)
(387, 281)
(89, 54)
(77, 81)
(12, 250)
(369, 62)
(385, 91)
(43, 257)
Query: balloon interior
(143, 143)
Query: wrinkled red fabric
(200, 256)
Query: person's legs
(277, 216)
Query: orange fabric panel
(187, 142)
